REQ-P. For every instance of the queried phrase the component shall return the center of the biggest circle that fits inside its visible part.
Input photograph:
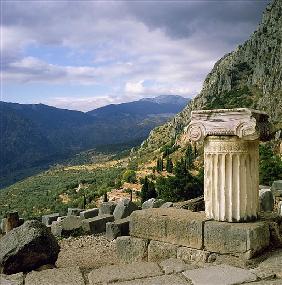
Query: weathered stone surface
(167, 205)
(280, 208)
(12, 221)
(249, 238)
(74, 211)
(124, 272)
(48, 219)
(3, 226)
(191, 254)
(91, 213)
(174, 279)
(130, 249)
(273, 263)
(124, 208)
(107, 208)
(276, 187)
(158, 250)
(27, 247)
(14, 279)
(219, 274)
(194, 205)
(266, 200)
(66, 225)
(97, 224)
(152, 203)
(175, 265)
(176, 226)
(60, 276)
(265, 282)
(117, 228)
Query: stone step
(114, 273)
(61, 276)
(219, 275)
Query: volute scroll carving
(196, 132)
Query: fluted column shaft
(231, 178)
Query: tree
(169, 165)
(270, 165)
(160, 165)
(148, 190)
(129, 176)
(189, 156)
(182, 186)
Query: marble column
(231, 160)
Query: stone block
(66, 225)
(113, 273)
(280, 208)
(167, 205)
(12, 221)
(276, 187)
(91, 213)
(152, 203)
(219, 274)
(174, 279)
(117, 228)
(124, 208)
(3, 226)
(266, 200)
(130, 249)
(175, 265)
(191, 254)
(48, 219)
(247, 238)
(158, 250)
(176, 226)
(74, 211)
(107, 208)
(60, 276)
(97, 224)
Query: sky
(82, 55)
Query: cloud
(120, 45)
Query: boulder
(74, 211)
(27, 247)
(107, 208)
(48, 219)
(124, 208)
(266, 200)
(91, 213)
(117, 228)
(152, 203)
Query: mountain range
(33, 136)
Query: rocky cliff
(250, 76)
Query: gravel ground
(90, 251)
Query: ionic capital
(244, 123)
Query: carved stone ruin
(231, 139)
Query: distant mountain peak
(167, 99)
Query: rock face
(250, 76)
(27, 247)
